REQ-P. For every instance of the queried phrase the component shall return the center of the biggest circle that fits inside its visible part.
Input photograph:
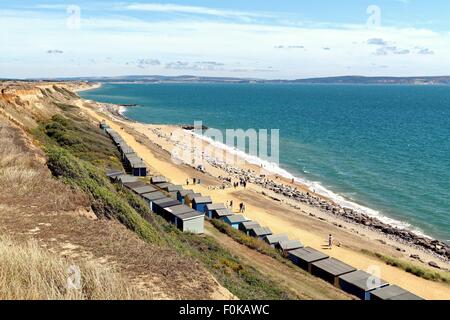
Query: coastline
(278, 208)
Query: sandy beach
(282, 214)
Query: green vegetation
(248, 241)
(419, 271)
(78, 153)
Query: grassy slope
(78, 153)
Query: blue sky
(261, 39)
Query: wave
(314, 186)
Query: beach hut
(136, 184)
(143, 189)
(392, 292)
(172, 212)
(103, 125)
(183, 193)
(169, 187)
(199, 203)
(113, 174)
(246, 226)
(303, 257)
(359, 283)
(259, 232)
(153, 196)
(288, 245)
(158, 179)
(189, 197)
(192, 221)
(210, 207)
(159, 205)
(125, 178)
(135, 164)
(274, 239)
(235, 220)
(221, 213)
(330, 269)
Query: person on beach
(198, 181)
(241, 205)
(193, 180)
(187, 182)
(231, 205)
(330, 240)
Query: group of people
(194, 181)
(241, 206)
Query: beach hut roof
(276, 238)
(334, 266)
(158, 179)
(236, 218)
(215, 206)
(135, 184)
(223, 212)
(394, 292)
(363, 280)
(173, 188)
(166, 202)
(124, 178)
(193, 195)
(179, 209)
(308, 254)
(290, 244)
(247, 225)
(114, 173)
(152, 196)
(144, 189)
(202, 199)
(164, 185)
(126, 149)
(185, 192)
(261, 231)
(190, 215)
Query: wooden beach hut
(136, 184)
(143, 189)
(173, 211)
(330, 269)
(199, 203)
(260, 232)
(171, 188)
(210, 207)
(183, 193)
(274, 239)
(159, 205)
(235, 220)
(359, 283)
(246, 226)
(221, 213)
(288, 245)
(103, 125)
(392, 292)
(158, 179)
(112, 174)
(189, 197)
(125, 178)
(303, 257)
(153, 196)
(192, 221)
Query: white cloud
(174, 8)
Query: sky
(282, 39)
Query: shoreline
(301, 192)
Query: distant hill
(437, 80)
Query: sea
(381, 149)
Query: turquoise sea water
(386, 148)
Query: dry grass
(23, 177)
(28, 272)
